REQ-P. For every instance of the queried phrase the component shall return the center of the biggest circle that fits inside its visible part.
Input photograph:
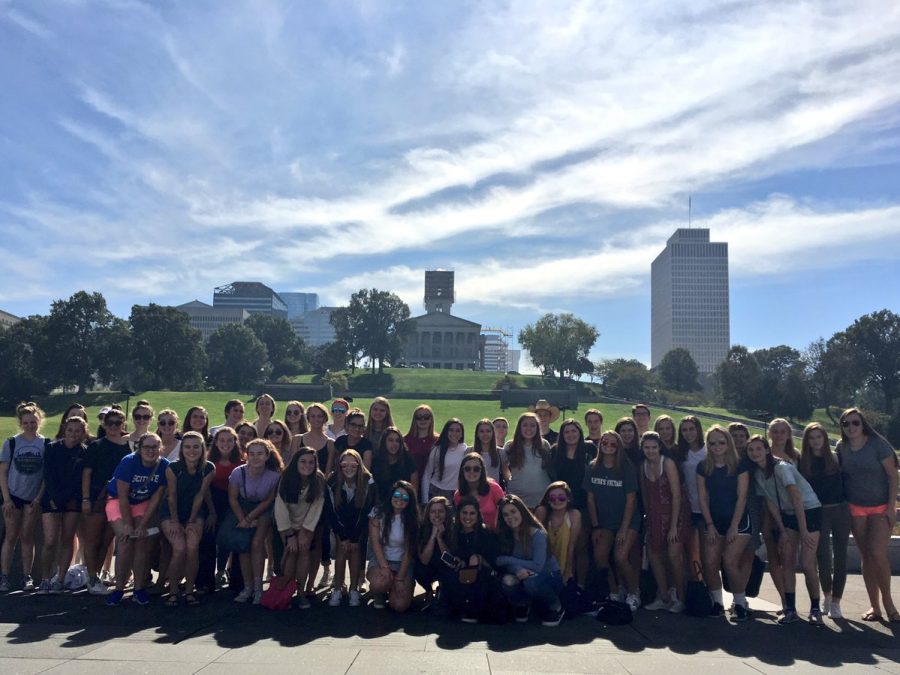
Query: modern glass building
(253, 296)
(689, 299)
(299, 304)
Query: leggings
(835, 522)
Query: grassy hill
(406, 380)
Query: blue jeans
(543, 588)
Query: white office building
(689, 299)
(315, 327)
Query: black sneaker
(553, 618)
(469, 617)
(717, 610)
(522, 612)
(740, 614)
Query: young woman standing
(501, 430)
(280, 436)
(530, 572)
(100, 461)
(265, 412)
(61, 502)
(226, 456)
(134, 494)
(664, 426)
(353, 494)
(723, 484)
(669, 517)
(316, 438)
(393, 532)
(295, 418)
(354, 438)
(167, 430)
(21, 484)
(246, 432)
(797, 515)
(614, 517)
(528, 457)
(141, 416)
(197, 419)
(421, 437)
(183, 513)
(627, 429)
(298, 512)
(486, 446)
(473, 481)
(336, 429)
(820, 467)
(442, 469)
(688, 453)
(781, 444)
(870, 485)
(380, 418)
(251, 492)
(562, 521)
(392, 462)
(570, 457)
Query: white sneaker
(676, 607)
(657, 604)
(325, 581)
(834, 610)
(244, 595)
(355, 599)
(335, 599)
(632, 601)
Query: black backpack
(614, 613)
(697, 601)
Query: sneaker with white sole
(355, 599)
(379, 603)
(815, 617)
(44, 588)
(789, 616)
(107, 578)
(553, 618)
(27, 583)
(56, 587)
(657, 604)
(303, 602)
(245, 595)
(633, 602)
(97, 587)
(677, 607)
(334, 600)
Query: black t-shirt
(62, 472)
(572, 472)
(102, 457)
(340, 444)
(386, 474)
(829, 487)
(187, 486)
(483, 543)
(551, 437)
(722, 489)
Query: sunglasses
(609, 444)
(166, 423)
(274, 432)
(719, 442)
(558, 499)
(400, 495)
(474, 468)
(339, 411)
(422, 418)
(141, 417)
(855, 423)
(112, 423)
(293, 412)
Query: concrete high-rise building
(299, 303)
(7, 319)
(253, 296)
(689, 299)
(439, 293)
(513, 356)
(207, 318)
(496, 345)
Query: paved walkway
(78, 634)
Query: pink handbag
(279, 594)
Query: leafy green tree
(626, 378)
(286, 350)
(678, 371)
(115, 365)
(74, 327)
(24, 360)
(347, 332)
(738, 379)
(873, 346)
(328, 357)
(166, 352)
(795, 400)
(375, 324)
(237, 359)
(559, 343)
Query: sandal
(191, 600)
(894, 617)
(871, 615)
(171, 601)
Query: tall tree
(558, 343)
(237, 358)
(74, 327)
(377, 323)
(678, 371)
(167, 353)
(738, 378)
(795, 401)
(285, 348)
(627, 378)
(873, 343)
(24, 360)
(115, 362)
(347, 331)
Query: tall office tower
(299, 304)
(439, 295)
(689, 299)
(496, 346)
(253, 296)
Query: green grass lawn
(437, 381)
(467, 411)
(818, 415)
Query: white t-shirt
(689, 467)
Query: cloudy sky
(544, 151)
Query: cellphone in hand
(448, 559)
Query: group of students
(554, 520)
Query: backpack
(614, 613)
(697, 601)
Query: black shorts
(722, 525)
(18, 503)
(813, 520)
(697, 521)
(71, 506)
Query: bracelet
(85, 499)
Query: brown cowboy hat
(543, 404)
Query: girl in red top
(473, 480)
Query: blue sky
(545, 151)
